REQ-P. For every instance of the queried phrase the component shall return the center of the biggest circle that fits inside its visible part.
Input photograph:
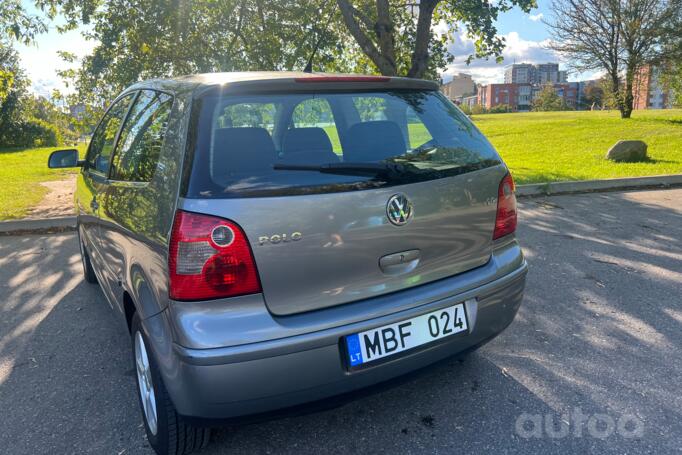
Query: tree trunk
(385, 66)
(382, 53)
(628, 97)
(420, 55)
(385, 34)
(616, 92)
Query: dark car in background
(273, 239)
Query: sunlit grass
(554, 146)
(21, 171)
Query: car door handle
(94, 205)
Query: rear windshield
(305, 143)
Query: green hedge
(31, 133)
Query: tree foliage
(143, 39)
(17, 24)
(593, 96)
(548, 100)
(672, 80)
(13, 85)
(25, 121)
(610, 100)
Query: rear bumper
(228, 382)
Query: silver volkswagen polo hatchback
(275, 239)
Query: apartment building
(529, 73)
(460, 85)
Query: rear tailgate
(317, 251)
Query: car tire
(167, 432)
(88, 271)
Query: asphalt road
(596, 351)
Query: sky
(525, 34)
(41, 61)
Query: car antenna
(309, 66)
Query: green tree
(615, 36)
(593, 96)
(548, 100)
(159, 38)
(672, 79)
(610, 100)
(13, 85)
(25, 120)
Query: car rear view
(331, 233)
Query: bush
(500, 109)
(31, 133)
(478, 109)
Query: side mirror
(64, 158)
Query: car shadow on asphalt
(70, 385)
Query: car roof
(269, 81)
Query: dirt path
(58, 202)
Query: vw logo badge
(399, 209)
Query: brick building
(648, 90)
(519, 97)
(492, 95)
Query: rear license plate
(391, 339)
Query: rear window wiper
(363, 169)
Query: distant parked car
(272, 239)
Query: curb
(38, 226)
(590, 186)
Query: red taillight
(505, 221)
(209, 258)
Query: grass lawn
(555, 146)
(20, 173)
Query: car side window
(248, 115)
(417, 132)
(139, 144)
(371, 108)
(102, 142)
(316, 113)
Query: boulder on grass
(627, 151)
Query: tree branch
(364, 41)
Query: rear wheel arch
(141, 293)
(128, 309)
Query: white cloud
(536, 17)
(42, 62)
(517, 50)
